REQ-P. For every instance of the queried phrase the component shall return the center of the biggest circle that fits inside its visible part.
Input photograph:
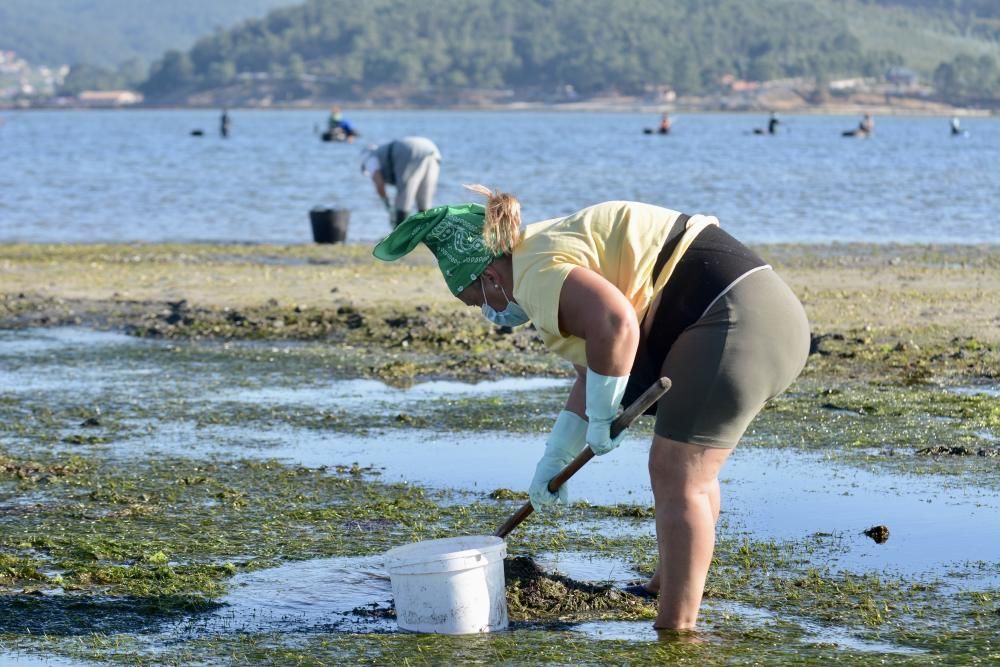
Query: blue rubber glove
(565, 441)
(604, 394)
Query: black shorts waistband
(712, 262)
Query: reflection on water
(40, 341)
(325, 595)
(352, 394)
(33, 660)
(588, 567)
(85, 176)
(782, 494)
(746, 617)
(983, 389)
(771, 494)
(309, 595)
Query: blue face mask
(511, 316)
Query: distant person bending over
(867, 125)
(664, 127)
(224, 123)
(956, 128)
(864, 129)
(628, 292)
(411, 165)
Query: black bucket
(329, 225)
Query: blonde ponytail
(502, 229)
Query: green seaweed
(102, 547)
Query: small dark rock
(397, 322)
(376, 610)
(945, 450)
(411, 420)
(879, 534)
(814, 343)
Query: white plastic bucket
(453, 586)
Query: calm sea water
(80, 176)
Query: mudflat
(916, 300)
(218, 485)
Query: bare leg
(715, 499)
(686, 491)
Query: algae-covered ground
(180, 424)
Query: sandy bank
(843, 286)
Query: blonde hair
(502, 228)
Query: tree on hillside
(968, 79)
(172, 72)
(440, 46)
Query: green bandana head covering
(454, 233)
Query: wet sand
(897, 295)
(251, 426)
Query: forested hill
(107, 32)
(345, 47)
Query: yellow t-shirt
(619, 240)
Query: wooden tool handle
(622, 422)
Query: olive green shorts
(748, 346)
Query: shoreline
(573, 107)
(900, 309)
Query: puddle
(314, 595)
(321, 595)
(934, 523)
(353, 394)
(36, 366)
(36, 341)
(770, 494)
(976, 390)
(815, 633)
(587, 567)
(76, 380)
(33, 660)
(746, 615)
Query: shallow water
(305, 596)
(771, 494)
(987, 389)
(19, 659)
(37, 341)
(749, 617)
(84, 176)
(157, 398)
(352, 394)
(321, 596)
(936, 524)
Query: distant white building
(109, 98)
(847, 85)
